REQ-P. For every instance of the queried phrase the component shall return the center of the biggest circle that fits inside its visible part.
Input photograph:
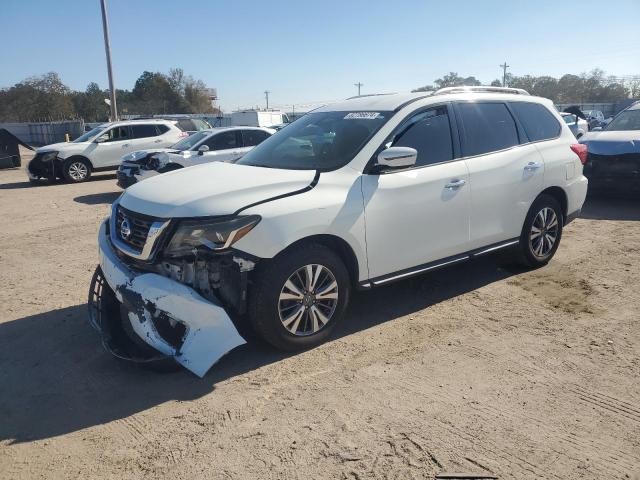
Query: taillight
(183, 134)
(580, 149)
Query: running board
(402, 274)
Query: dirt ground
(477, 369)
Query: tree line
(47, 98)
(592, 87)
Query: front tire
(298, 298)
(541, 232)
(76, 170)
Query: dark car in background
(613, 161)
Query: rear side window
(186, 125)
(538, 122)
(118, 133)
(223, 141)
(429, 133)
(143, 131)
(252, 138)
(162, 129)
(488, 127)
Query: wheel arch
(78, 157)
(340, 246)
(561, 196)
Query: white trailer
(258, 118)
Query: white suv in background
(353, 195)
(101, 149)
(213, 145)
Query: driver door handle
(455, 184)
(125, 145)
(532, 166)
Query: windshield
(318, 141)
(190, 141)
(90, 134)
(627, 120)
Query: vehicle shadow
(98, 198)
(17, 185)
(57, 379)
(605, 208)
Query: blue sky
(306, 52)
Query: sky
(311, 52)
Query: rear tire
(541, 232)
(298, 298)
(76, 170)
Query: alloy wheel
(308, 300)
(544, 232)
(78, 171)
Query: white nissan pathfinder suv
(353, 195)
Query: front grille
(138, 226)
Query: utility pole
(266, 95)
(107, 49)
(359, 85)
(504, 67)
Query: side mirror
(102, 138)
(397, 157)
(202, 149)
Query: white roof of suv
(393, 101)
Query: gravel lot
(479, 369)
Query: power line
(359, 84)
(504, 67)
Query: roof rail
(447, 90)
(371, 95)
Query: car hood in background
(612, 143)
(61, 146)
(211, 189)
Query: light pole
(359, 85)
(266, 95)
(107, 49)
(504, 67)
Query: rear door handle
(157, 141)
(125, 145)
(454, 184)
(532, 166)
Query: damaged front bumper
(130, 173)
(144, 316)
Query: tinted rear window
(162, 129)
(538, 122)
(488, 127)
(186, 125)
(252, 138)
(143, 131)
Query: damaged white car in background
(213, 145)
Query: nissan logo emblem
(125, 229)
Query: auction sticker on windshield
(362, 116)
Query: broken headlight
(209, 234)
(46, 156)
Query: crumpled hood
(612, 143)
(211, 189)
(59, 146)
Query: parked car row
(213, 145)
(141, 148)
(353, 195)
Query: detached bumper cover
(147, 300)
